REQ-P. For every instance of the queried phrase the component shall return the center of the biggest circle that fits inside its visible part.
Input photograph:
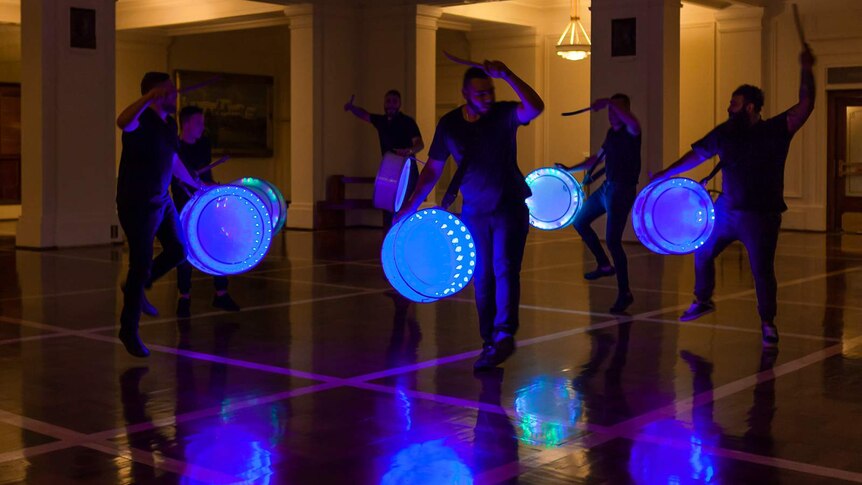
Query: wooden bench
(331, 212)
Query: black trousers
(616, 200)
(758, 232)
(142, 223)
(184, 279)
(500, 237)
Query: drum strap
(454, 186)
(712, 174)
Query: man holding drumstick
(752, 153)
(144, 207)
(622, 154)
(195, 152)
(398, 133)
(480, 135)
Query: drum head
(389, 193)
(227, 228)
(674, 216)
(271, 196)
(557, 198)
(429, 255)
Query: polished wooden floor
(325, 378)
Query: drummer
(752, 153)
(195, 151)
(621, 152)
(144, 207)
(397, 132)
(481, 136)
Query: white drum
(394, 181)
(557, 198)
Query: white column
(68, 130)
(650, 77)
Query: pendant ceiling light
(574, 44)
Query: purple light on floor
(670, 452)
(673, 216)
(428, 256)
(547, 411)
(557, 198)
(428, 463)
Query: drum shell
(429, 255)
(673, 216)
(394, 183)
(271, 196)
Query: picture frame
(238, 110)
(624, 37)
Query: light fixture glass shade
(574, 43)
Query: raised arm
(356, 110)
(799, 113)
(531, 104)
(427, 180)
(633, 126)
(128, 119)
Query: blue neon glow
(227, 229)
(547, 411)
(403, 183)
(428, 463)
(557, 198)
(428, 256)
(669, 452)
(271, 196)
(673, 216)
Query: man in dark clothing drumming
(622, 154)
(398, 133)
(144, 206)
(752, 153)
(480, 135)
(196, 153)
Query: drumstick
(213, 165)
(577, 112)
(799, 30)
(200, 84)
(465, 62)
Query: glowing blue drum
(673, 216)
(429, 255)
(557, 198)
(271, 196)
(227, 228)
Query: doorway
(845, 161)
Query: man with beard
(752, 153)
(622, 154)
(480, 135)
(144, 207)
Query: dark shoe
(484, 360)
(225, 302)
(770, 335)
(133, 343)
(504, 347)
(600, 273)
(697, 310)
(623, 302)
(184, 309)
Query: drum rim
(577, 193)
(190, 219)
(645, 201)
(273, 194)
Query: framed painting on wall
(237, 110)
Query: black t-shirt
(146, 160)
(622, 156)
(194, 156)
(395, 133)
(488, 147)
(752, 161)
